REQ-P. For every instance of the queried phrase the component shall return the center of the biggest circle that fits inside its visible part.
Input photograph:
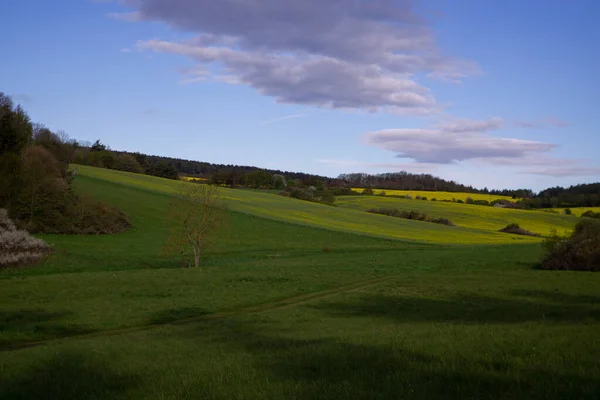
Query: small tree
(194, 214)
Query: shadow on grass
(66, 376)
(559, 297)
(333, 369)
(177, 315)
(21, 326)
(468, 309)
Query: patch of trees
(36, 185)
(584, 195)
(515, 229)
(414, 215)
(591, 214)
(407, 181)
(316, 194)
(578, 251)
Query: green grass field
(290, 308)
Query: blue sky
(488, 93)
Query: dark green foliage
(578, 251)
(15, 127)
(591, 214)
(515, 229)
(568, 211)
(323, 196)
(416, 215)
(368, 191)
(163, 170)
(343, 191)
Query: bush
(434, 199)
(17, 246)
(579, 251)
(515, 229)
(591, 214)
(459, 201)
(368, 191)
(568, 211)
(414, 215)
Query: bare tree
(195, 213)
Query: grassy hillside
(306, 213)
(284, 310)
(466, 215)
(438, 195)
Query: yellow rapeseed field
(438, 195)
(578, 210)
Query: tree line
(36, 185)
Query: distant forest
(97, 154)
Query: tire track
(268, 306)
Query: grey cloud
(313, 80)
(360, 54)
(454, 141)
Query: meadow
(439, 196)
(297, 307)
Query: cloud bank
(369, 55)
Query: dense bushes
(415, 215)
(591, 214)
(515, 229)
(579, 251)
(17, 246)
(322, 195)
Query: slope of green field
(317, 215)
(467, 215)
(438, 195)
(285, 311)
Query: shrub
(568, 211)
(434, 199)
(382, 193)
(459, 201)
(414, 215)
(579, 251)
(417, 197)
(17, 246)
(368, 191)
(591, 214)
(515, 229)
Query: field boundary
(257, 308)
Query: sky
(497, 94)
